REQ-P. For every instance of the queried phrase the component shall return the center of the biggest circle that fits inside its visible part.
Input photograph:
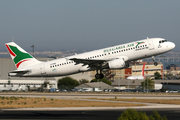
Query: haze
(86, 24)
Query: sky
(86, 24)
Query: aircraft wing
(90, 62)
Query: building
(93, 85)
(134, 69)
(14, 83)
(135, 84)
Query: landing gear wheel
(99, 76)
(155, 63)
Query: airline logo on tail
(18, 56)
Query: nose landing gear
(155, 63)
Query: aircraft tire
(155, 63)
(99, 76)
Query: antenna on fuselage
(147, 38)
(12, 39)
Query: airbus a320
(115, 57)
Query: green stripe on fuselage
(19, 55)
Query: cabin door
(42, 68)
(151, 45)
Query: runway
(172, 112)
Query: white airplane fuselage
(128, 52)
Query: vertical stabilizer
(20, 57)
(143, 70)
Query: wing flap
(89, 62)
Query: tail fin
(143, 70)
(19, 56)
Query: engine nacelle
(117, 64)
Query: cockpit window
(162, 41)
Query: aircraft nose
(172, 45)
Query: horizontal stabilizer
(16, 73)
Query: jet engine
(117, 63)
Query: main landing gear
(99, 76)
(155, 63)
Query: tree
(45, 84)
(131, 114)
(147, 84)
(157, 75)
(102, 80)
(82, 81)
(67, 83)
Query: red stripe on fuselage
(10, 51)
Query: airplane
(115, 57)
(140, 77)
